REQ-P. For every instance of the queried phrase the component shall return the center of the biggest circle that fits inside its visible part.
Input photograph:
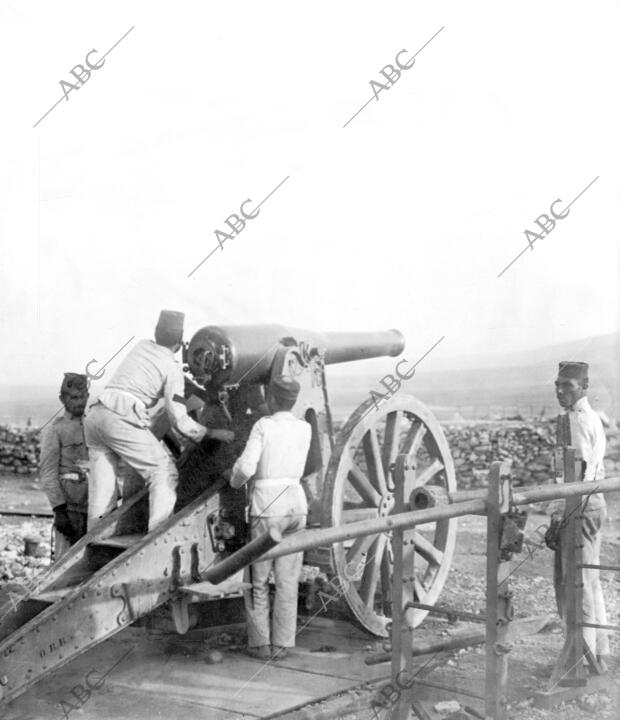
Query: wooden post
(569, 668)
(570, 671)
(402, 594)
(499, 604)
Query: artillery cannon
(348, 476)
(110, 579)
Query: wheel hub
(386, 505)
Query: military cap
(169, 328)
(74, 381)
(284, 389)
(573, 370)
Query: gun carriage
(349, 473)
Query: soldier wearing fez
(275, 458)
(63, 466)
(118, 424)
(588, 439)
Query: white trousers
(593, 602)
(282, 628)
(110, 438)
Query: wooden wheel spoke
(429, 472)
(414, 438)
(389, 553)
(360, 546)
(419, 589)
(372, 453)
(391, 440)
(358, 513)
(363, 486)
(370, 576)
(426, 549)
(387, 569)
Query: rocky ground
(18, 571)
(533, 657)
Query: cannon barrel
(229, 354)
(344, 347)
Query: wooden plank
(238, 684)
(548, 699)
(468, 637)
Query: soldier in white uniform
(63, 467)
(588, 439)
(275, 457)
(118, 424)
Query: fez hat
(573, 370)
(74, 381)
(169, 328)
(284, 390)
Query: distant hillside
(20, 402)
(497, 384)
(599, 349)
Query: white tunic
(148, 373)
(275, 456)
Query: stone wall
(529, 444)
(19, 450)
(474, 447)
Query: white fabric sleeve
(595, 454)
(174, 388)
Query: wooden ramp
(103, 585)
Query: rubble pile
(19, 450)
(15, 565)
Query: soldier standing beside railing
(588, 438)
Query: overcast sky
(402, 219)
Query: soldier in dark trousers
(63, 468)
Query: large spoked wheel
(360, 485)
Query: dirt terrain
(531, 660)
